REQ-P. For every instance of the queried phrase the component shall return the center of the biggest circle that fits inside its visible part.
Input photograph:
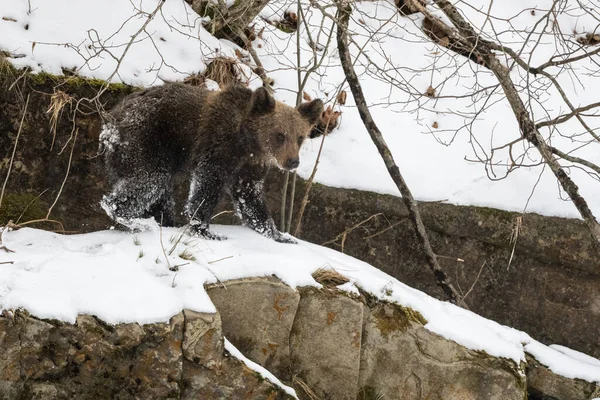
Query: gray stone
(400, 359)
(543, 384)
(203, 338)
(230, 380)
(325, 344)
(181, 359)
(257, 315)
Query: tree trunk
(226, 22)
(442, 279)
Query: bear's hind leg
(133, 199)
(163, 210)
(205, 189)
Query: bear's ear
(262, 102)
(311, 111)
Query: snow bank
(121, 277)
(90, 36)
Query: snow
(565, 363)
(122, 277)
(255, 367)
(90, 36)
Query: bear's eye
(280, 137)
(300, 140)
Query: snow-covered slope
(470, 113)
(121, 277)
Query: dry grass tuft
(58, 101)
(329, 277)
(195, 80)
(187, 255)
(225, 71)
(310, 394)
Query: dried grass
(195, 80)
(225, 71)
(305, 388)
(329, 277)
(58, 101)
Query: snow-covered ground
(91, 37)
(121, 277)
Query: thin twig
(220, 259)
(162, 246)
(66, 175)
(476, 279)
(311, 178)
(344, 234)
(29, 205)
(14, 151)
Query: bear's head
(281, 129)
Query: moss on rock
(21, 206)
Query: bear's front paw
(282, 237)
(205, 233)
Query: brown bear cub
(224, 140)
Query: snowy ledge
(121, 278)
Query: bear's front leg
(205, 188)
(250, 204)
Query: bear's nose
(292, 163)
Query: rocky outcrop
(354, 347)
(543, 384)
(551, 289)
(327, 343)
(265, 337)
(181, 359)
(400, 356)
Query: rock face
(401, 359)
(326, 343)
(553, 280)
(265, 337)
(352, 347)
(543, 384)
(182, 359)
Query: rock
(341, 346)
(203, 339)
(325, 344)
(181, 359)
(258, 314)
(400, 359)
(231, 380)
(543, 384)
(10, 344)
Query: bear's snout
(292, 163)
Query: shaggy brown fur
(225, 139)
